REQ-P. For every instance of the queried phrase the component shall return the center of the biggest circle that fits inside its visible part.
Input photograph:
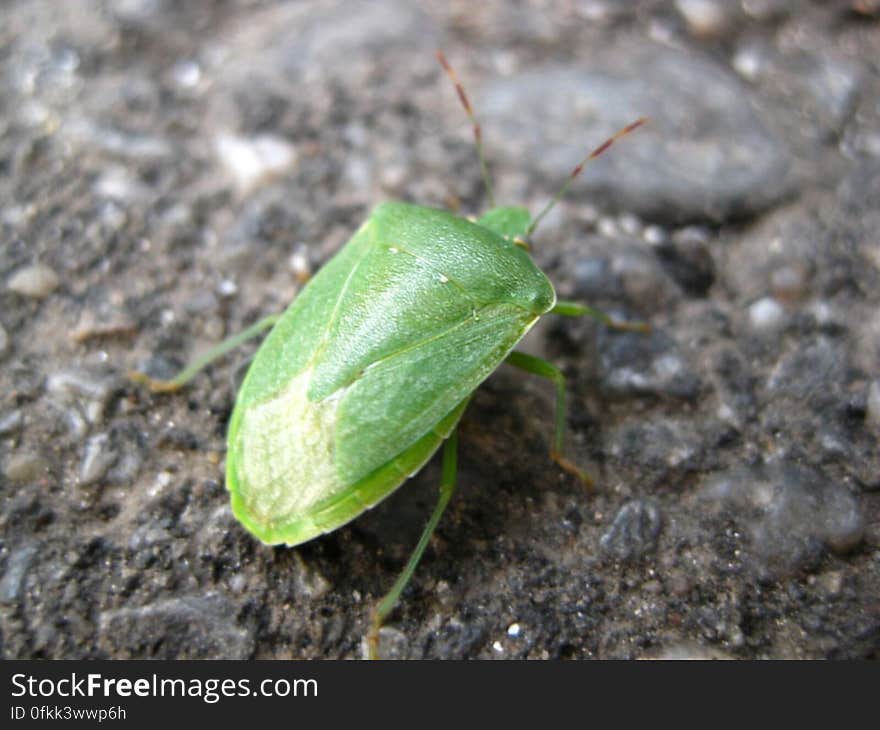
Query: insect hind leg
(447, 487)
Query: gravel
(174, 171)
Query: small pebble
(252, 162)
(748, 62)
(299, 263)
(767, 10)
(705, 18)
(308, 581)
(10, 422)
(767, 315)
(187, 73)
(119, 184)
(4, 341)
(873, 405)
(37, 281)
(92, 390)
(630, 224)
(393, 644)
(654, 235)
(93, 325)
(97, 460)
(24, 467)
(789, 282)
(227, 288)
(831, 582)
(392, 177)
(688, 651)
(608, 227)
(634, 531)
(17, 565)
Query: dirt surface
(171, 172)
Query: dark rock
(687, 259)
(633, 532)
(725, 161)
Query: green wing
(377, 355)
(399, 398)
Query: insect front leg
(544, 369)
(191, 370)
(447, 487)
(575, 309)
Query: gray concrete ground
(173, 171)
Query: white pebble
(747, 62)
(299, 261)
(10, 422)
(254, 161)
(187, 74)
(630, 224)
(35, 281)
(118, 183)
(608, 228)
(767, 315)
(97, 459)
(654, 235)
(227, 288)
(705, 18)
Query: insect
(367, 373)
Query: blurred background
(171, 172)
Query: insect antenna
(478, 133)
(580, 166)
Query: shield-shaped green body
(371, 366)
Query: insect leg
(544, 369)
(575, 309)
(185, 375)
(447, 487)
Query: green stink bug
(369, 370)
